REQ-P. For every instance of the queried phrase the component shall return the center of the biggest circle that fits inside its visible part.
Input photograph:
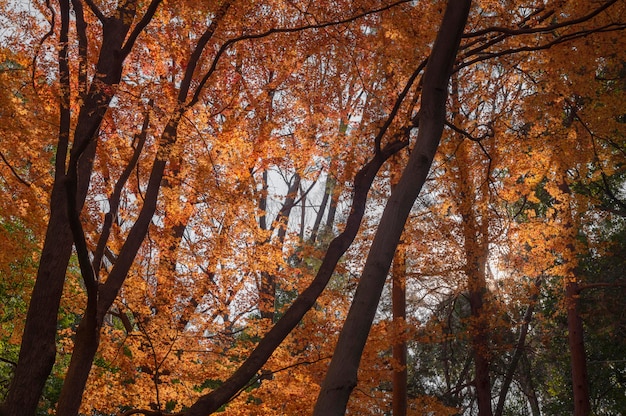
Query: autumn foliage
(190, 191)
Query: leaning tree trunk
(342, 372)
(38, 346)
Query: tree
(176, 121)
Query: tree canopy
(289, 206)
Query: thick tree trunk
(38, 349)
(342, 373)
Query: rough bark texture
(342, 373)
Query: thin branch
(14, 172)
(114, 199)
(195, 57)
(231, 42)
(565, 38)
(268, 374)
(4, 360)
(42, 40)
(398, 103)
(96, 11)
(550, 28)
(600, 285)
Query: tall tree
(341, 376)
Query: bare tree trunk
(342, 372)
(580, 383)
(399, 348)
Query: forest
(286, 207)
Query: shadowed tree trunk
(580, 383)
(342, 372)
(38, 347)
(399, 400)
(399, 348)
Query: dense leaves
(189, 192)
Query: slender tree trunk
(580, 384)
(267, 289)
(399, 348)
(322, 209)
(399, 399)
(519, 350)
(342, 372)
(575, 332)
(211, 402)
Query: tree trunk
(38, 346)
(211, 402)
(86, 344)
(399, 400)
(342, 372)
(519, 350)
(582, 405)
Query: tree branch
(549, 28)
(13, 171)
(141, 25)
(114, 199)
(272, 31)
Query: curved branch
(272, 31)
(562, 39)
(13, 171)
(96, 11)
(549, 28)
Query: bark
(100, 300)
(399, 399)
(399, 347)
(342, 373)
(580, 383)
(519, 350)
(211, 402)
(38, 346)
